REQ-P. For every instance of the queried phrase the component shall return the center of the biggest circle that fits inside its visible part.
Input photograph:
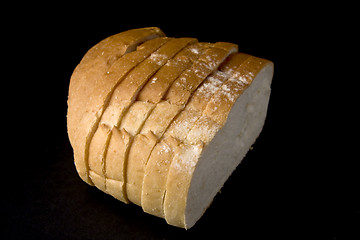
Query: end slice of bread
(193, 183)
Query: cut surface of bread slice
(206, 174)
(97, 102)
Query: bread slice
(203, 167)
(98, 100)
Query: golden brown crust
(161, 117)
(126, 92)
(158, 85)
(115, 163)
(220, 105)
(178, 183)
(184, 121)
(130, 86)
(116, 153)
(135, 117)
(95, 63)
(83, 130)
(97, 150)
(139, 152)
(182, 88)
(154, 182)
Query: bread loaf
(163, 122)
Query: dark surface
(286, 187)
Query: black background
(290, 186)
